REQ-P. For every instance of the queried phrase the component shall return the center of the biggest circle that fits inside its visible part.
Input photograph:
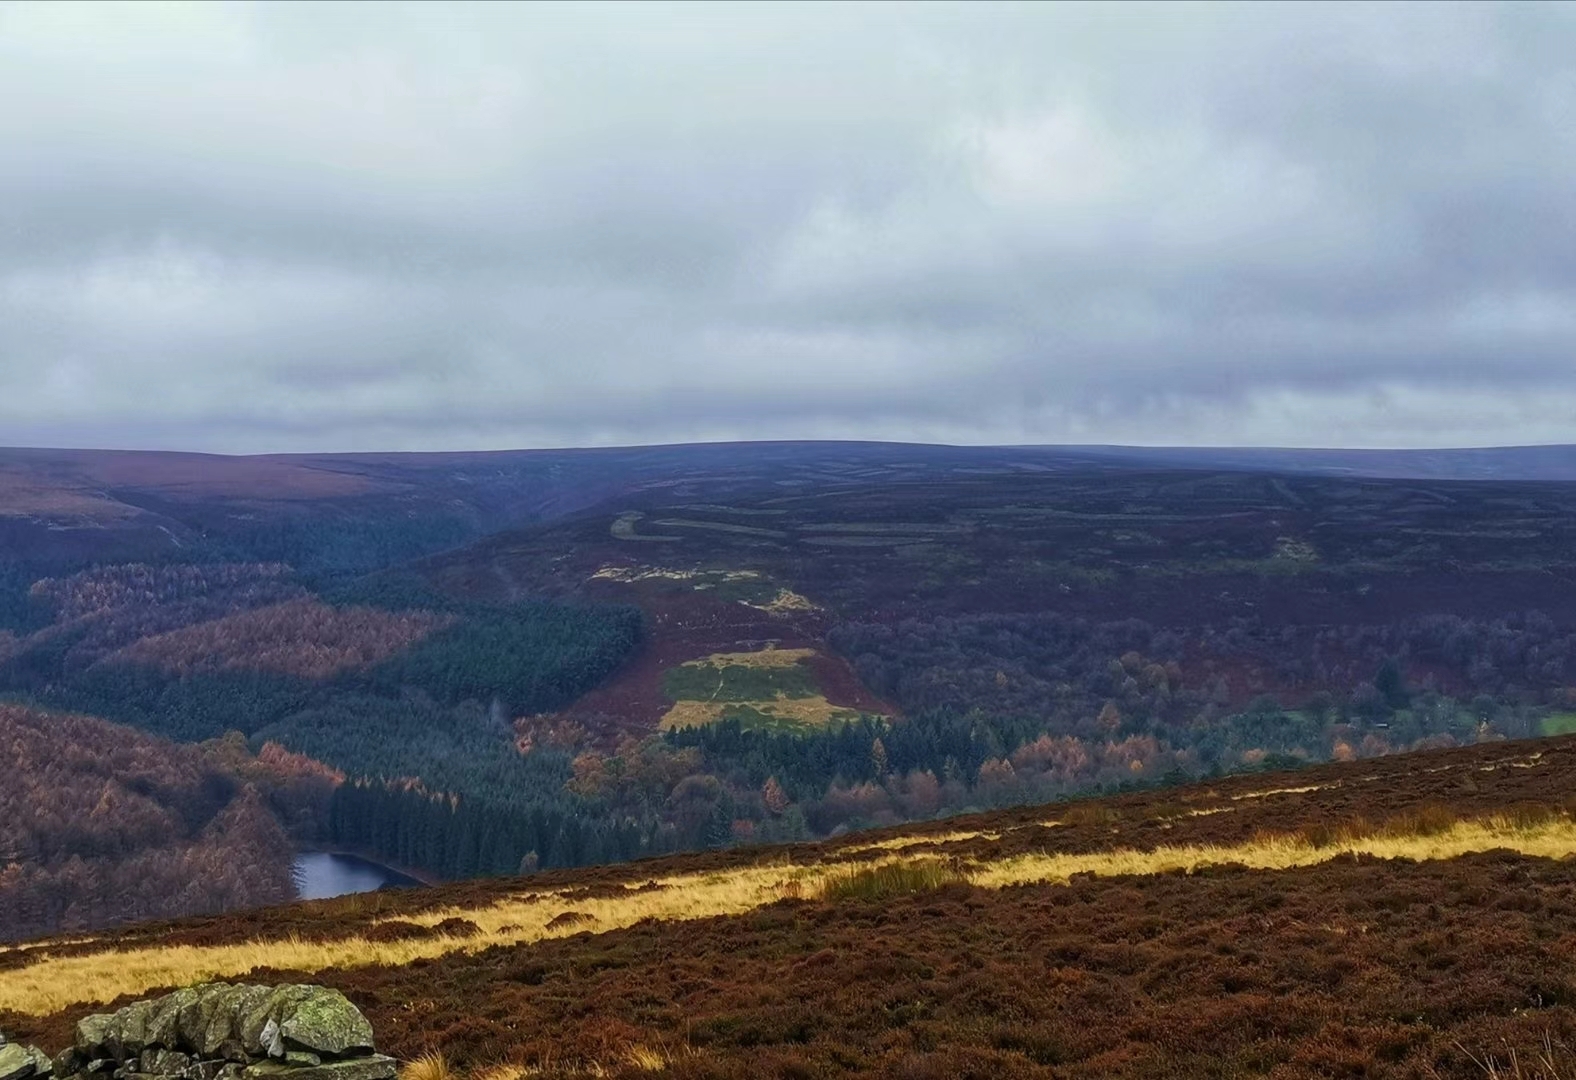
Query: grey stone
(370, 1067)
(163, 1062)
(191, 1034)
(69, 1062)
(91, 1033)
(163, 1029)
(224, 1006)
(270, 1042)
(264, 1015)
(325, 1022)
(128, 1031)
(16, 1063)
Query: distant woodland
(102, 825)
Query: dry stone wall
(218, 1031)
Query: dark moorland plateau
(478, 664)
(1409, 916)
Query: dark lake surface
(321, 874)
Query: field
(766, 690)
(1398, 917)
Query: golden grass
(637, 1056)
(786, 600)
(429, 1066)
(1552, 840)
(769, 657)
(53, 982)
(1280, 791)
(912, 843)
(813, 711)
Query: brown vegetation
(106, 608)
(303, 638)
(100, 824)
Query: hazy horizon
(1177, 447)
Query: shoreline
(420, 877)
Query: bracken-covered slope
(1397, 917)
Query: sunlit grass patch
(910, 843)
(779, 714)
(765, 690)
(885, 881)
(1280, 791)
(760, 658)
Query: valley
(698, 648)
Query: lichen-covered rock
(237, 1023)
(18, 1062)
(164, 1062)
(325, 1022)
(221, 1031)
(15, 1062)
(93, 1032)
(367, 1067)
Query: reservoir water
(321, 874)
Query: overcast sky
(306, 227)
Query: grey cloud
(271, 227)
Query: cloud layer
(287, 227)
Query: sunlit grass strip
(55, 982)
(913, 843)
(1281, 791)
(1554, 839)
(52, 983)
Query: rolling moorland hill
(702, 647)
(1409, 916)
(65, 509)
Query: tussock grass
(54, 982)
(429, 1066)
(637, 1056)
(888, 880)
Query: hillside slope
(100, 824)
(1384, 918)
